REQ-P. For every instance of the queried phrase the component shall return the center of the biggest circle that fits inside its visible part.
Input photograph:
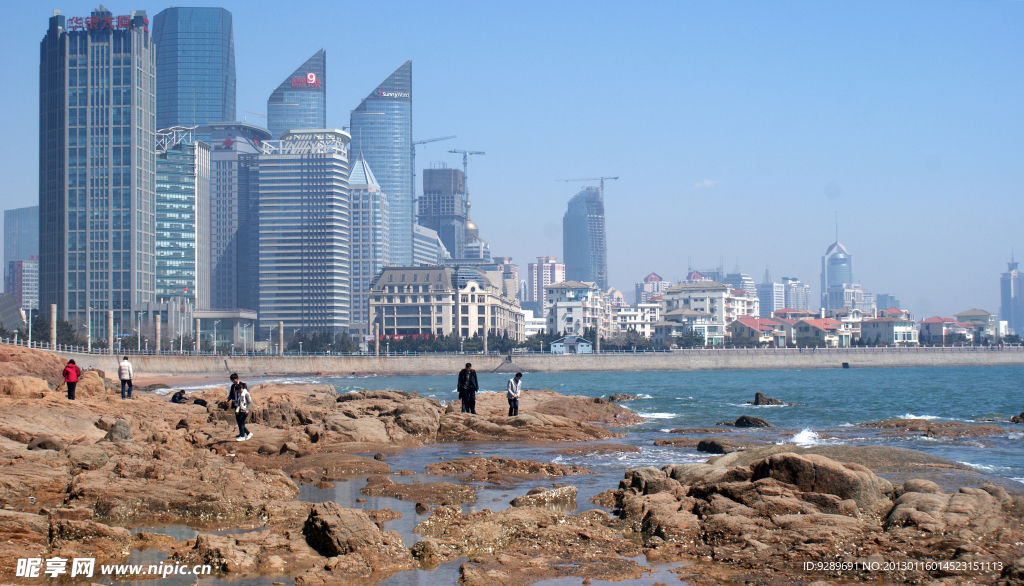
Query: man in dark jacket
(467, 389)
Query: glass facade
(300, 102)
(381, 129)
(583, 239)
(370, 239)
(21, 237)
(443, 207)
(195, 67)
(183, 224)
(304, 206)
(97, 123)
(836, 271)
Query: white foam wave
(912, 416)
(1021, 480)
(645, 396)
(847, 425)
(806, 438)
(985, 467)
(666, 430)
(1015, 435)
(658, 415)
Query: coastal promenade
(679, 360)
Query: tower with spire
(1011, 308)
(836, 268)
(371, 239)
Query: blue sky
(738, 129)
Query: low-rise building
(944, 330)
(740, 303)
(685, 321)
(434, 300)
(821, 332)
(575, 306)
(889, 331)
(794, 314)
(756, 331)
(572, 345)
(848, 315)
(639, 317)
(533, 326)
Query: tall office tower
(1011, 309)
(300, 102)
(652, 286)
(195, 68)
(370, 239)
(97, 132)
(742, 281)
(772, 296)
(583, 239)
(21, 237)
(182, 219)
(303, 251)
(427, 248)
(836, 271)
(887, 301)
(442, 207)
(23, 282)
(509, 276)
(798, 295)
(542, 273)
(381, 128)
(231, 284)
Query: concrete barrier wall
(169, 365)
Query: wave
(1021, 480)
(847, 425)
(806, 439)
(645, 396)
(1015, 435)
(752, 406)
(985, 467)
(658, 415)
(912, 416)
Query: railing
(523, 352)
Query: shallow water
(829, 404)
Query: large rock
(936, 429)
(360, 547)
(528, 427)
(818, 474)
(498, 470)
(621, 398)
(563, 498)
(120, 432)
(573, 407)
(45, 442)
(761, 400)
(23, 387)
(727, 445)
(433, 493)
(748, 421)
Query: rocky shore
(87, 478)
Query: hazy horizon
(738, 130)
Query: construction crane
(465, 165)
(601, 179)
(256, 113)
(414, 157)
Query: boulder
(760, 399)
(87, 457)
(622, 398)
(497, 470)
(526, 428)
(812, 473)
(119, 432)
(727, 445)
(560, 497)
(424, 492)
(573, 407)
(23, 387)
(748, 421)
(1017, 418)
(360, 546)
(45, 442)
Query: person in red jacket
(71, 375)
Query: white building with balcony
(575, 306)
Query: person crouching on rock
(467, 389)
(514, 388)
(71, 375)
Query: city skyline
(841, 113)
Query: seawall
(733, 359)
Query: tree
(627, 341)
(1011, 339)
(690, 339)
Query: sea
(827, 406)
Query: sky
(740, 131)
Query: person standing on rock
(242, 403)
(126, 373)
(514, 388)
(71, 375)
(467, 389)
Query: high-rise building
(231, 281)
(97, 132)
(583, 239)
(300, 102)
(797, 294)
(443, 207)
(742, 281)
(1011, 308)
(182, 219)
(370, 239)
(427, 248)
(23, 283)
(21, 238)
(509, 276)
(836, 271)
(771, 295)
(652, 286)
(886, 301)
(304, 230)
(381, 128)
(541, 274)
(195, 67)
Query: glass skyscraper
(583, 239)
(836, 271)
(300, 102)
(183, 221)
(370, 239)
(195, 67)
(381, 129)
(97, 123)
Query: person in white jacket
(514, 389)
(126, 374)
(243, 401)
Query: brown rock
(760, 399)
(596, 449)
(23, 387)
(360, 546)
(936, 429)
(811, 473)
(621, 398)
(562, 498)
(268, 450)
(748, 421)
(682, 442)
(573, 407)
(497, 470)
(527, 427)
(45, 442)
(87, 457)
(427, 492)
(727, 445)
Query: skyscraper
(772, 296)
(304, 230)
(195, 67)
(542, 273)
(300, 102)
(583, 239)
(797, 294)
(836, 271)
(442, 207)
(96, 167)
(21, 237)
(427, 248)
(742, 281)
(370, 239)
(1011, 308)
(182, 219)
(381, 128)
(231, 281)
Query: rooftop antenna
(837, 226)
